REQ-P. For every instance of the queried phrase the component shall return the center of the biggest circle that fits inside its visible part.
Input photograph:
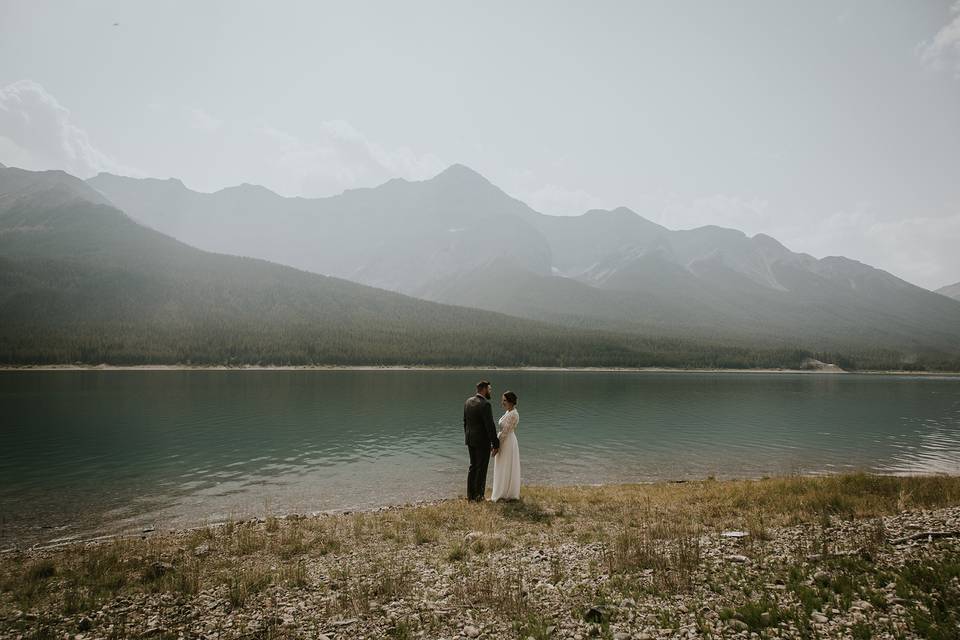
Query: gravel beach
(855, 556)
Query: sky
(833, 126)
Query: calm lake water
(85, 452)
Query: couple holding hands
(483, 440)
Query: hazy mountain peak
(769, 243)
(762, 238)
(247, 188)
(843, 261)
(720, 231)
(54, 186)
(461, 175)
(106, 176)
(621, 214)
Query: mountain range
(458, 239)
(80, 281)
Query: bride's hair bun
(510, 397)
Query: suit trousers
(477, 476)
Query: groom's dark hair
(483, 384)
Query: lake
(88, 452)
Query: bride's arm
(510, 423)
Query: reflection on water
(932, 446)
(84, 452)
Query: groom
(480, 433)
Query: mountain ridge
(82, 281)
(458, 238)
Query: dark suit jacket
(479, 430)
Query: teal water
(85, 452)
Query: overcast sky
(833, 126)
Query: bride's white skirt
(506, 470)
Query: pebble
(435, 599)
(344, 623)
(597, 614)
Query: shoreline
(184, 367)
(158, 528)
(787, 557)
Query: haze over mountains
(951, 291)
(80, 281)
(459, 239)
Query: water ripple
(95, 451)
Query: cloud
(209, 152)
(336, 158)
(944, 48)
(37, 132)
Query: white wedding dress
(506, 464)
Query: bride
(506, 464)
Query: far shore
(829, 370)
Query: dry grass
(669, 548)
(483, 585)
(379, 578)
(781, 501)
(246, 582)
(640, 527)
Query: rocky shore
(854, 556)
